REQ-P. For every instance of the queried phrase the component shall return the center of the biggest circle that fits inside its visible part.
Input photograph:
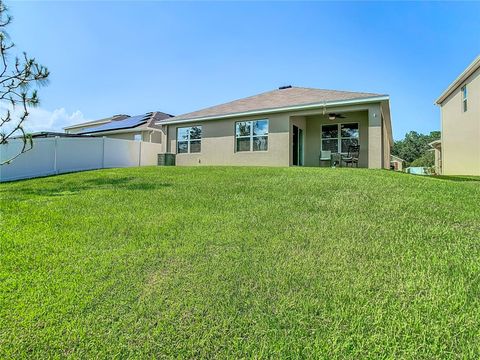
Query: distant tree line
(414, 148)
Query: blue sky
(108, 58)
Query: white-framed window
(189, 139)
(337, 138)
(137, 137)
(464, 98)
(251, 135)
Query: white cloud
(46, 120)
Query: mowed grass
(218, 262)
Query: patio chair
(352, 156)
(326, 156)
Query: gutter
(120, 131)
(281, 109)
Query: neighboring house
(437, 149)
(459, 150)
(77, 128)
(284, 127)
(396, 163)
(140, 127)
(48, 134)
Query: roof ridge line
(342, 91)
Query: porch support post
(375, 151)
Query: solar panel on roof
(127, 123)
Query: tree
(414, 146)
(19, 81)
(426, 160)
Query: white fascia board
(459, 80)
(283, 109)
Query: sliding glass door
(297, 142)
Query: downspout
(166, 138)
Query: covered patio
(350, 136)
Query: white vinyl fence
(60, 155)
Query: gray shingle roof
(157, 116)
(292, 96)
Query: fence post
(103, 153)
(139, 153)
(3, 148)
(55, 166)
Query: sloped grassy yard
(240, 262)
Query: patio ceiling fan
(333, 116)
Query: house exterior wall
(376, 145)
(400, 166)
(397, 165)
(386, 148)
(461, 130)
(218, 138)
(218, 143)
(123, 136)
(75, 130)
(153, 136)
(438, 161)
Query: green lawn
(240, 262)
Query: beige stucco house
(437, 151)
(396, 163)
(458, 152)
(141, 127)
(284, 127)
